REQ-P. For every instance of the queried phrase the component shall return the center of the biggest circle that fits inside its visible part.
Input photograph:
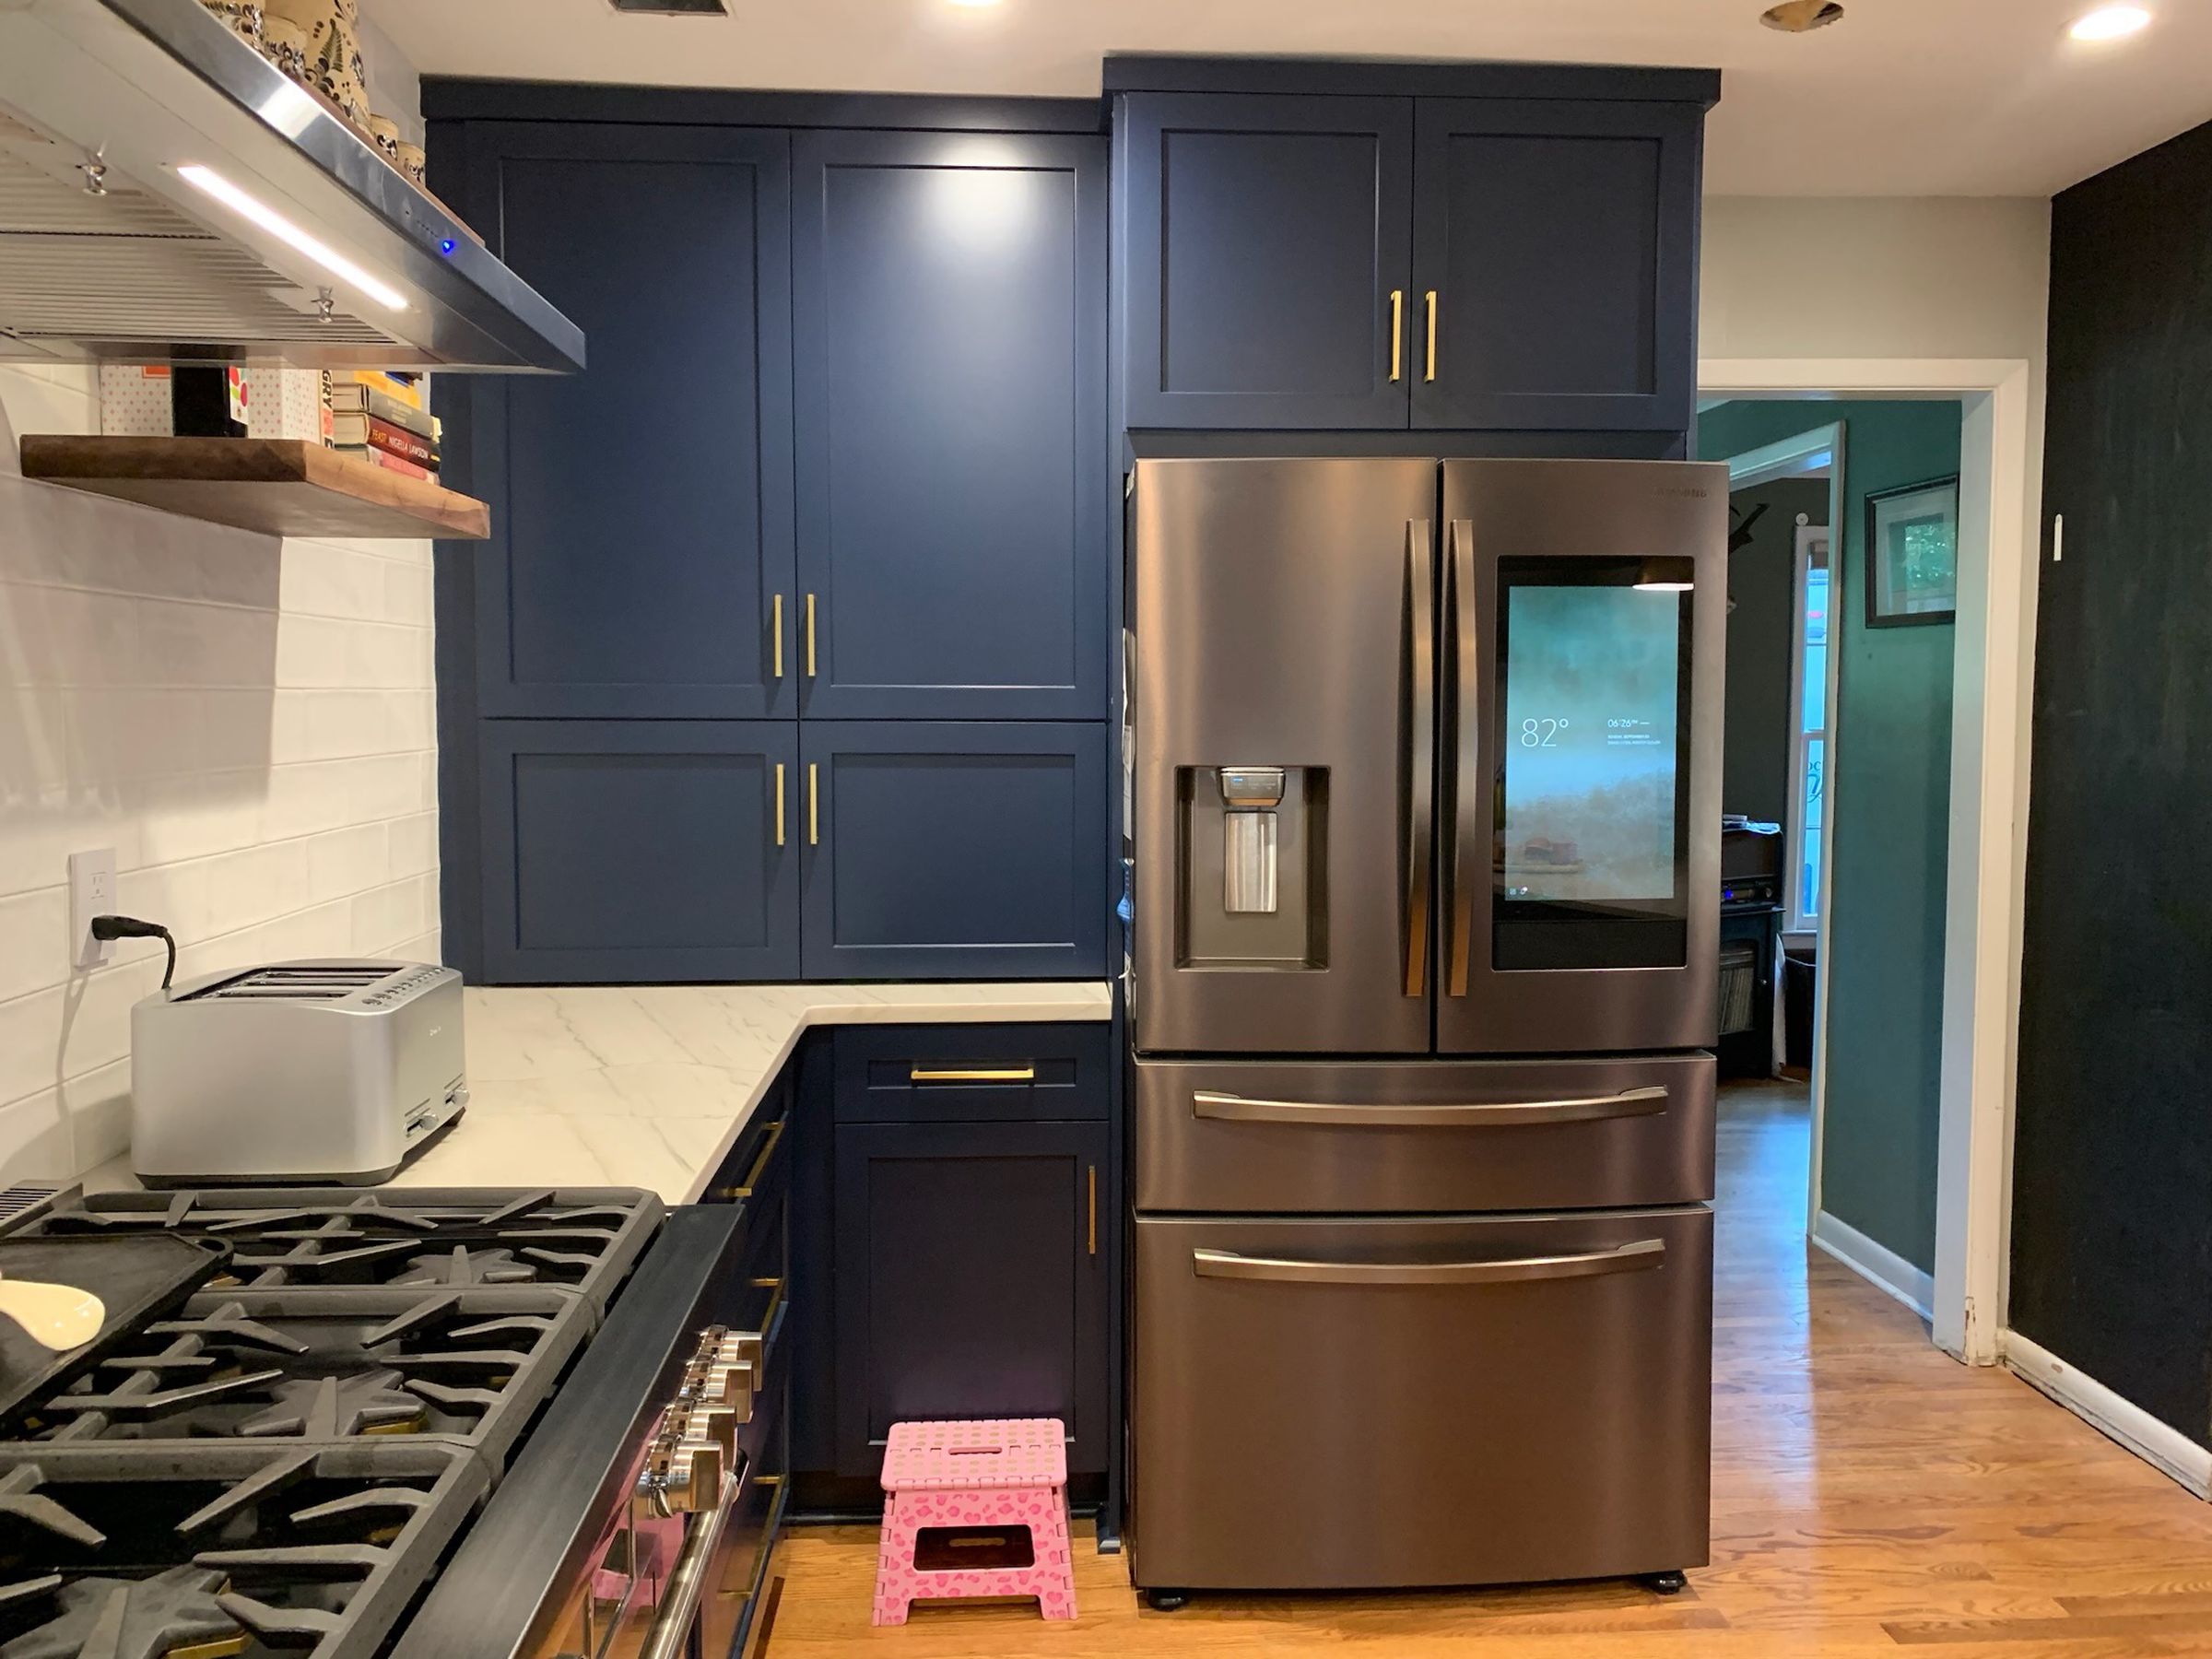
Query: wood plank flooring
(1870, 1496)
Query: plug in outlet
(91, 893)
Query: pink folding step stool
(955, 1478)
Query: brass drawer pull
(1397, 334)
(1009, 1074)
(776, 627)
(752, 1178)
(813, 803)
(1091, 1229)
(810, 623)
(1432, 373)
(778, 803)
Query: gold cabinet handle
(810, 607)
(1004, 1073)
(1397, 334)
(778, 803)
(814, 806)
(1431, 302)
(776, 627)
(1091, 1179)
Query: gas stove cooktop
(278, 1465)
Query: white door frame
(1993, 647)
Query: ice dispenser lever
(1250, 835)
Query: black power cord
(130, 927)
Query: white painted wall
(248, 722)
(1843, 278)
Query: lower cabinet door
(954, 850)
(970, 1271)
(639, 850)
(1336, 1403)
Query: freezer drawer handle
(1588, 1108)
(1637, 1257)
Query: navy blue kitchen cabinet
(641, 510)
(971, 1265)
(1558, 240)
(1267, 254)
(950, 315)
(954, 850)
(1320, 254)
(639, 850)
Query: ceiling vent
(674, 8)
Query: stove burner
(334, 1407)
(464, 1265)
(173, 1615)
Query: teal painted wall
(1889, 785)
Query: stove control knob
(695, 1476)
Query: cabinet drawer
(1532, 1393)
(971, 1073)
(1381, 1136)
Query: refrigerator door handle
(1587, 1109)
(1466, 752)
(1418, 804)
(1639, 1256)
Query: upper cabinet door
(1268, 253)
(641, 510)
(1558, 242)
(951, 325)
(639, 851)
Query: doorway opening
(1838, 776)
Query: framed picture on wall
(1913, 555)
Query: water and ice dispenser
(1251, 876)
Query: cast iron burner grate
(173, 1615)
(581, 1238)
(224, 1549)
(462, 1360)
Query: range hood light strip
(276, 225)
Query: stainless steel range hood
(167, 195)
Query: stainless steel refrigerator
(1425, 826)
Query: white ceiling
(1902, 96)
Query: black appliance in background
(1750, 948)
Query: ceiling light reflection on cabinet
(2111, 23)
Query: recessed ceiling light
(1801, 17)
(2111, 23)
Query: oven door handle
(1639, 1256)
(1584, 1109)
(670, 1637)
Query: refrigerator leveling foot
(1668, 1584)
(1167, 1601)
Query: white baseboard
(1876, 1263)
(2160, 1445)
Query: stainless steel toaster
(314, 1071)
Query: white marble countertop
(651, 1086)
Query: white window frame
(1810, 538)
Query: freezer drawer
(1353, 1404)
(1423, 1136)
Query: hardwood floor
(1870, 1496)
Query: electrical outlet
(91, 893)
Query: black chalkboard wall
(2111, 1240)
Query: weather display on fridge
(1591, 731)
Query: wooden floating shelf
(278, 486)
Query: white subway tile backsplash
(250, 723)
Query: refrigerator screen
(1592, 745)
